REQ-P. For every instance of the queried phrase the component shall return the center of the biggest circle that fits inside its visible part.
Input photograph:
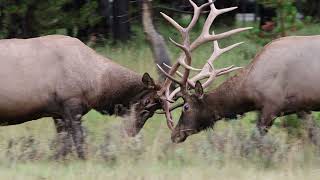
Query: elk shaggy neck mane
(122, 93)
(229, 99)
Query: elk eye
(147, 101)
(186, 107)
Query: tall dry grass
(232, 150)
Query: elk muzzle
(180, 135)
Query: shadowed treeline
(105, 19)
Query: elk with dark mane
(282, 79)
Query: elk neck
(230, 98)
(118, 85)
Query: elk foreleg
(73, 113)
(64, 139)
(266, 119)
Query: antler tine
(168, 75)
(205, 36)
(197, 11)
(218, 51)
(208, 71)
(227, 70)
(192, 84)
(196, 15)
(184, 32)
(173, 22)
(186, 62)
(225, 34)
(168, 115)
(213, 76)
(171, 108)
(169, 96)
(209, 81)
(219, 72)
(215, 73)
(188, 56)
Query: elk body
(282, 79)
(60, 77)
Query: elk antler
(208, 71)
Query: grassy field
(231, 151)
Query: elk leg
(63, 137)
(310, 126)
(78, 137)
(73, 112)
(266, 119)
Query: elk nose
(178, 137)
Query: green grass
(231, 151)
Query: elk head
(194, 117)
(166, 98)
(143, 106)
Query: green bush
(30, 18)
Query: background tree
(286, 14)
(29, 18)
(155, 40)
(121, 25)
(311, 8)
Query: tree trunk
(82, 32)
(155, 40)
(13, 28)
(1, 17)
(29, 25)
(105, 11)
(121, 26)
(311, 8)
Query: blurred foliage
(311, 9)
(29, 18)
(286, 14)
(81, 18)
(286, 21)
(86, 18)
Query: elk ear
(148, 81)
(199, 90)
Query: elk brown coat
(60, 77)
(282, 79)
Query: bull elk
(60, 77)
(282, 79)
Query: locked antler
(208, 71)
